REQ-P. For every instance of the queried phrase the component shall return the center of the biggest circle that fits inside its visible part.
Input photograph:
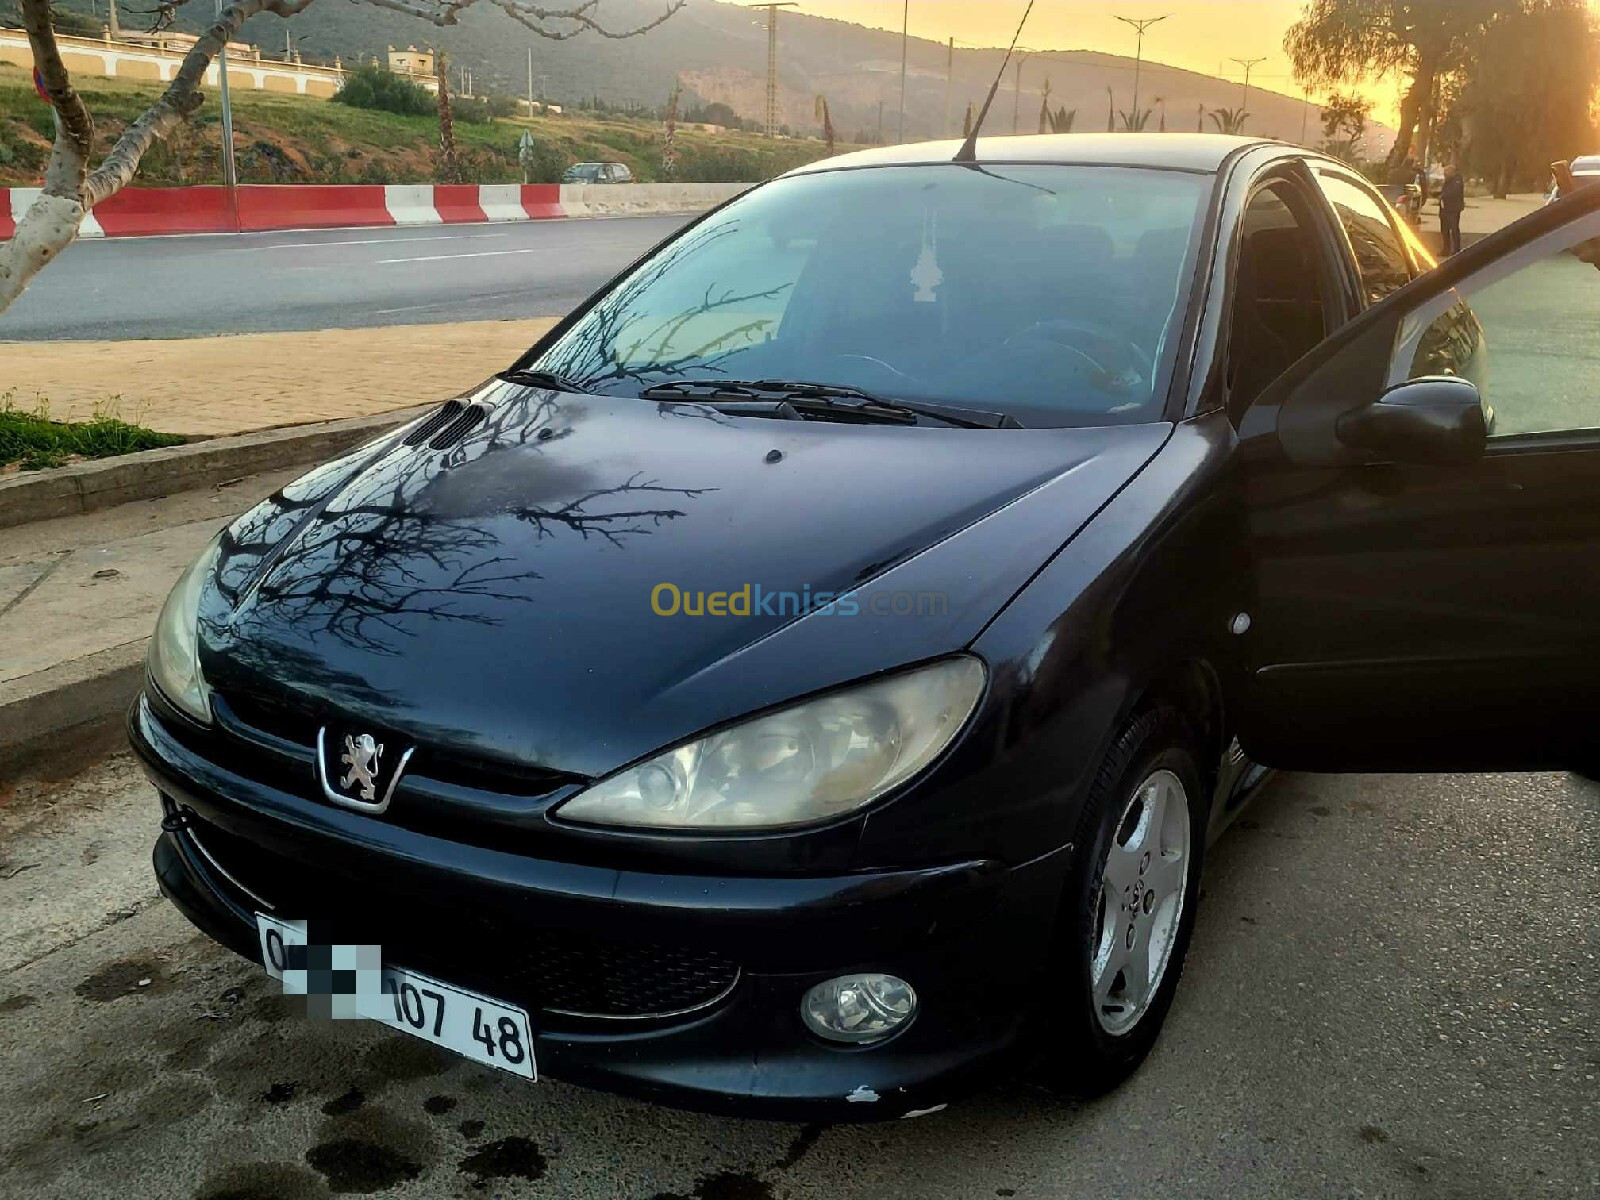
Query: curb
(147, 474)
(69, 713)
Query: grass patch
(34, 442)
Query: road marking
(470, 254)
(464, 237)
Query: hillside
(720, 52)
(290, 139)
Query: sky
(1200, 34)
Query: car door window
(1278, 313)
(1379, 252)
(1538, 328)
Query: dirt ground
(207, 387)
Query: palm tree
(827, 122)
(1134, 122)
(1229, 120)
(1062, 120)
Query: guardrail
(146, 212)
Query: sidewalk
(209, 387)
(79, 597)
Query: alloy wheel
(1144, 880)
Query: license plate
(357, 983)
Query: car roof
(1589, 163)
(1204, 152)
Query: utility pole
(772, 61)
(530, 81)
(1016, 102)
(1140, 24)
(949, 85)
(1248, 64)
(1305, 116)
(230, 167)
(905, 43)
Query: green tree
(1342, 41)
(373, 86)
(1344, 126)
(1522, 100)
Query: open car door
(1422, 494)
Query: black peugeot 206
(816, 669)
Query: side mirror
(1438, 418)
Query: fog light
(858, 1008)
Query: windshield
(1050, 293)
(583, 172)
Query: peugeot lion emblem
(360, 757)
(354, 769)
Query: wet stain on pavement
(358, 1166)
(280, 1093)
(17, 1003)
(173, 1102)
(801, 1146)
(141, 975)
(1321, 810)
(396, 1059)
(343, 1105)
(470, 1129)
(1372, 1135)
(263, 1181)
(725, 1185)
(439, 1105)
(508, 1158)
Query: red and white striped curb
(143, 212)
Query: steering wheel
(1091, 341)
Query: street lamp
(1140, 24)
(230, 169)
(1247, 64)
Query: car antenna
(969, 148)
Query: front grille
(246, 716)
(541, 968)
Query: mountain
(719, 51)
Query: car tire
(1098, 1025)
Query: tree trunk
(448, 171)
(1411, 110)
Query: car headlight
(175, 648)
(806, 763)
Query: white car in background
(1585, 169)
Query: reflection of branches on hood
(572, 516)
(376, 567)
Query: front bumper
(969, 937)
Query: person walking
(1452, 199)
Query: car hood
(503, 596)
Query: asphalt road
(1391, 994)
(328, 279)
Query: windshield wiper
(545, 379)
(828, 400)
